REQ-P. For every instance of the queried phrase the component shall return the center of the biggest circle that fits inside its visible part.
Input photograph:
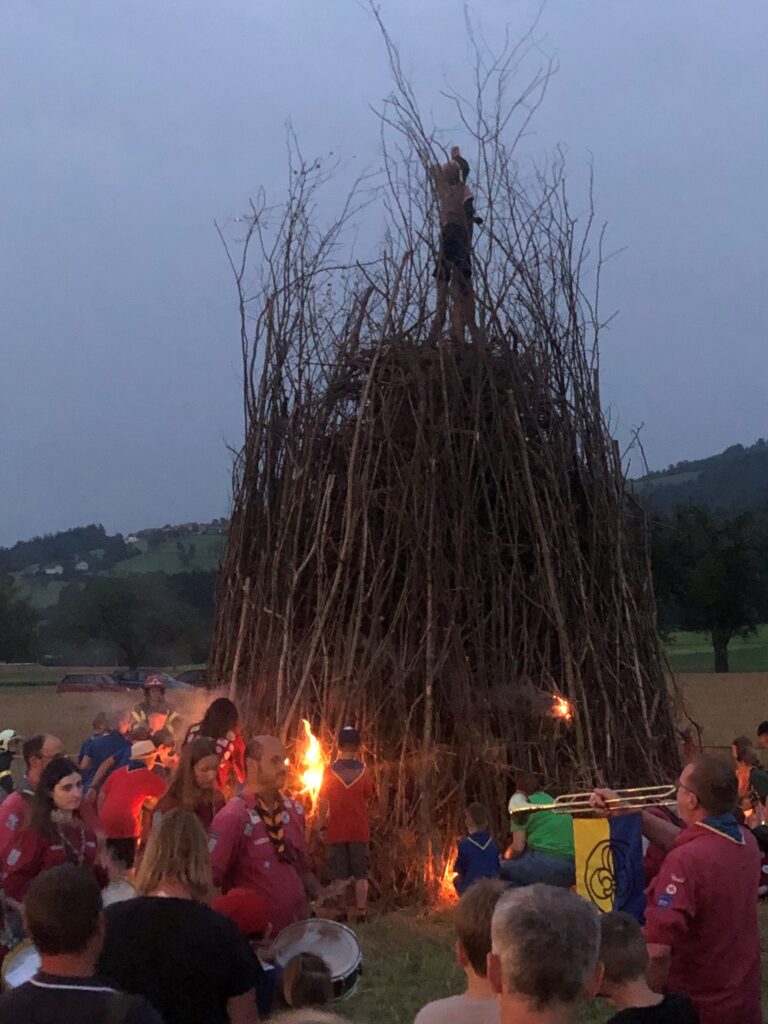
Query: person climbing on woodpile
(454, 257)
(454, 264)
(469, 195)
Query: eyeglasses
(681, 785)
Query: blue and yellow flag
(609, 862)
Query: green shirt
(546, 831)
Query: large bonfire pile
(431, 538)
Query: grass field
(692, 652)
(204, 551)
(44, 675)
(408, 961)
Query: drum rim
(22, 947)
(319, 922)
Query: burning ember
(312, 761)
(561, 708)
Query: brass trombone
(626, 800)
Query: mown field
(691, 652)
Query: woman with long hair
(221, 723)
(193, 785)
(168, 945)
(55, 833)
(176, 862)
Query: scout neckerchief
(481, 840)
(724, 825)
(273, 822)
(348, 770)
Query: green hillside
(736, 480)
(200, 553)
(43, 567)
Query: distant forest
(84, 597)
(734, 481)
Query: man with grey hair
(544, 959)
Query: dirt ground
(35, 709)
(725, 705)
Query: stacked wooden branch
(430, 535)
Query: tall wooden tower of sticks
(431, 536)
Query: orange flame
(312, 762)
(446, 890)
(561, 708)
(441, 882)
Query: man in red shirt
(123, 797)
(37, 751)
(257, 839)
(342, 821)
(701, 917)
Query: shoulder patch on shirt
(664, 900)
(12, 822)
(13, 858)
(212, 843)
(298, 808)
(671, 889)
(677, 878)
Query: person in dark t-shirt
(64, 919)
(191, 963)
(625, 958)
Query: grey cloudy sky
(130, 125)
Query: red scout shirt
(347, 803)
(125, 792)
(14, 812)
(703, 904)
(32, 853)
(243, 856)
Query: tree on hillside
(18, 623)
(139, 616)
(710, 576)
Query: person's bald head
(266, 763)
(39, 751)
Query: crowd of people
(153, 872)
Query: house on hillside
(81, 566)
(53, 570)
(131, 539)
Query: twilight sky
(129, 126)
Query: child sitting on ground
(306, 981)
(477, 1004)
(625, 958)
(478, 854)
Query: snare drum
(20, 966)
(335, 943)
